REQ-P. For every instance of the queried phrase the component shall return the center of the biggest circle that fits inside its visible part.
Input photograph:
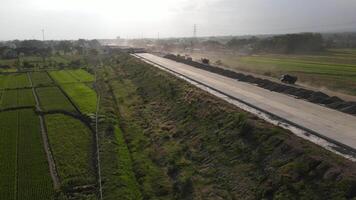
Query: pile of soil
(301, 93)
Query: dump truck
(286, 78)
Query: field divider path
(97, 142)
(17, 155)
(51, 162)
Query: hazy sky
(73, 19)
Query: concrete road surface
(329, 123)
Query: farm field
(71, 143)
(71, 76)
(333, 69)
(63, 76)
(17, 98)
(52, 98)
(40, 79)
(16, 80)
(8, 153)
(81, 75)
(83, 96)
(25, 173)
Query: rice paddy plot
(63, 76)
(71, 76)
(16, 80)
(83, 96)
(23, 165)
(34, 180)
(17, 98)
(71, 144)
(52, 98)
(8, 153)
(40, 79)
(82, 75)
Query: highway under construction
(332, 129)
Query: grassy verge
(187, 144)
(119, 181)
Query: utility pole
(43, 35)
(194, 37)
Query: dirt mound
(301, 93)
(351, 109)
(318, 97)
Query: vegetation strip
(97, 147)
(118, 178)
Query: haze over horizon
(89, 19)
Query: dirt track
(330, 123)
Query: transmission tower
(43, 34)
(195, 31)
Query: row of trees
(13, 49)
(289, 43)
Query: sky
(105, 19)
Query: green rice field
(23, 164)
(71, 76)
(40, 79)
(17, 98)
(52, 98)
(14, 80)
(71, 143)
(82, 95)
